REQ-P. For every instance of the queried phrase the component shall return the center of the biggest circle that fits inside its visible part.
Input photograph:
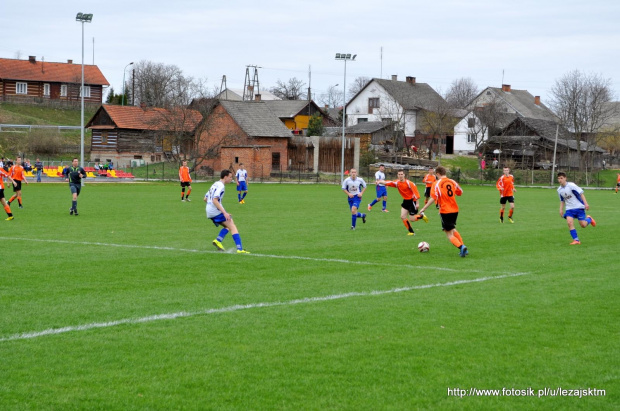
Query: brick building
(245, 132)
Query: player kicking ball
(219, 216)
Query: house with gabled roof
(144, 134)
(245, 132)
(32, 80)
(400, 102)
(507, 104)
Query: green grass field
(129, 306)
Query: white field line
(232, 251)
(172, 316)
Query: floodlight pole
(82, 18)
(123, 96)
(344, 57)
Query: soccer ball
(424, 247)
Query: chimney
(506, 88)
(326, 106)
(143, 105)
(32, 59)
(537, 100)
(410, 80)
(257, 97)
(394, 77)
(69, 61)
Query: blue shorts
(381, 191)
(578, 213)
(218, 219)
(354, 201)
(242, 186)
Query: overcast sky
(528, 43)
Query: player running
(354, 187)
(186, 181)
(381, 190)
(444, 193)
(411, 197)
(573, 197)
(17, 174)
(219, 216)
(429, 179)
(242, 183)
(506, 187)
(7, 208)
(74, 175)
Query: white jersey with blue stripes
(216, 191)
(570, 194)
(354, 186)
(380, 176)
(242, 175)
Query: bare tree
(332, 98)
(358, 84)
(292, 90)
(580, 101)
(486, 121)
(436, 122)
(391, 110)
(461, 92)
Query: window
(21, 88)
(471, 138)
(63, 90)
(275, 160)
(104, 137)
(86, 91)
(46, 89)
(373, 102)
(137, 157)
(471, 122)
(362, 120)
(236, 160)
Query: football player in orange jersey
(618, 183)
(7, 209)
(186, 181)
(506, 186)
(411, 196)
(444, 193)
(429, 179)
(17, 173)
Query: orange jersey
(407, 189)
(17, 172)
(184, 175)
(444, 192)
(618, 178)
(429, 179)
(2, 175)
(506, 185)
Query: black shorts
(618, 185)
(75, 188)
(1, 193)
(185, 184)
(409, 205)
(427, 192)
(17, 186)
(509, 199)
(448, 221)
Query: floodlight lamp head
(84, 17)
(355, 55)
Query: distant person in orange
(444, 193)
(506, 187)
(429, 179)
(186, 181)
(618, 183)
(7, 208)
(17, 174)
(411, 197)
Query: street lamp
(344, 57)
(82, 18)
(123, 97)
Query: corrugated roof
(255, 118)
(12, 69)
(151, 118)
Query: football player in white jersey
(242, 183)
(354, 187)
(572, 196)
(381, 190)
(219, 216)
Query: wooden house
(38, 81)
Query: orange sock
(182, 194)
(8, 210)
(501, 213)
(406, 223)
(457, 243)
(12, 198)
(189, 192)
(510, 213)
(458, 235)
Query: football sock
(373, 202)
(237, 239)
(239, 196)
(510, 213)
(384, 204)
(456, 242)
(589, 220)
(244, 194)
(573, 233)
(408, 225)
(182, 193)
(19, 200)
(188, 193)
(7, 209)
(501, 213)
(458, 235)
(13, 197)
(353, 219)
(222, 234)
